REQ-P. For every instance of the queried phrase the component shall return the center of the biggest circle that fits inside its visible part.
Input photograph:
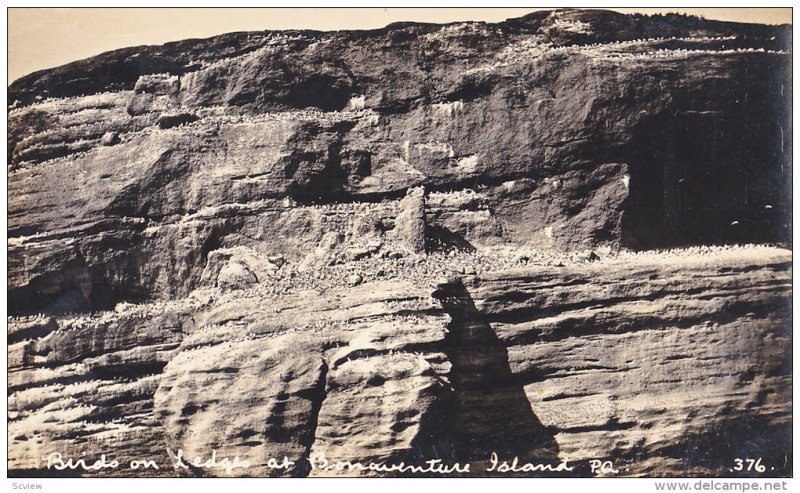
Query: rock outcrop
(405, 245)
(655, 364)
(630, 131)
(409, 227)
(667, 366)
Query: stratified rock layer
(656, 365)
(299, 249)
(572, 129)
(668, 365)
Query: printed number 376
(749, 465)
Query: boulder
(234, 276)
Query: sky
(40, 38)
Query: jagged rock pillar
(410, 223)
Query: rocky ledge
(412, 244)
(667, 364)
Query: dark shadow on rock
(487, 410)
(701, 177)
(441, 239)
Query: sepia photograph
(400, 243)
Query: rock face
(340, 378)
(573, 129)
(668, 366)
(404, 245)
(639, 358)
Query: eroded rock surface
(565, 129)
(656, 364)
(641, 359)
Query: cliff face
(362, 239)
(570, 133)
(635, 358)
(667, 366)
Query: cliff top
(119, 69)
